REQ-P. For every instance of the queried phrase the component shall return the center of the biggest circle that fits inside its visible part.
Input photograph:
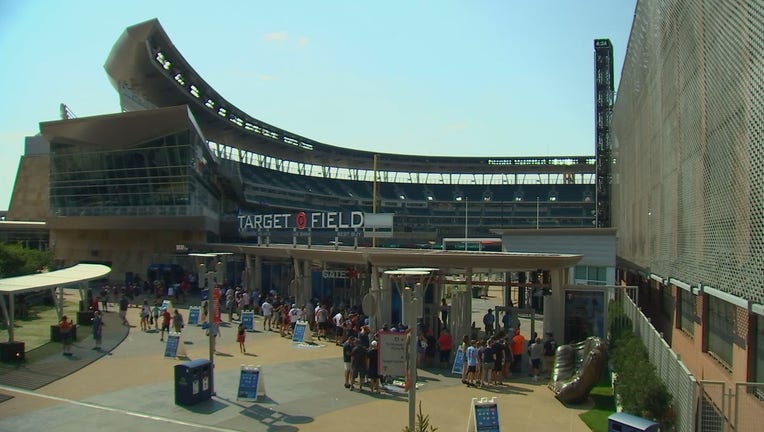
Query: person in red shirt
(166, 318)
(445, 345)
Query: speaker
(12, 351)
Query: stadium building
(677, 172)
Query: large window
(686, 311)
(590, 275)
(720, 329)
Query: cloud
(302, 41)
(276, 36)
(457, 126)
(267, 78)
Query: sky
(451, 78)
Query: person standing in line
(373, 369)
(267, 310)
(241, 336)
(322, 321)
(537, 352)
(359, 361)
(488, 322)
(166, 318)
(65, 327)
(177, 321)
(518, 345)
(347, 348)
(97, 328)
(338, 334)
(472, 361)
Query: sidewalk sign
(301, 333)
(484, 415)
(248, 320)
(193, 315)
(392, 354)
(251, 383)
(458, 363)
(174, 348)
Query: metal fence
(672, 372)
(727, 408)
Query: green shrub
(639, 389)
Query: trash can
(622, 422)
(12, 351)
(193, 382)
(476, 292)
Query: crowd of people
(487, 361)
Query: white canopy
(39, 281)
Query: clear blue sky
(477, 78)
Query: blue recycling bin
(193, 382)
(623, 422)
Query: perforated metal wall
(688, 138)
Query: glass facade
(163, 177)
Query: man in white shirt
(338, 328)
(267, 309)
(294, 316)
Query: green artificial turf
(604, 406)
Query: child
(241, 335)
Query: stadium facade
(183, 160)
(688, 183)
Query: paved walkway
(130, 387)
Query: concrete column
(257, 274)
(554, 305)
(294, 285)
(305, 284)
(385, 296)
